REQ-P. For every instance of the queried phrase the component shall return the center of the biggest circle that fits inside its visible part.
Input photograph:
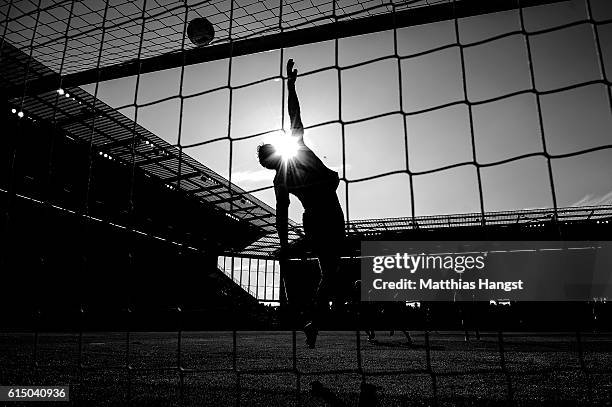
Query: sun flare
(286, 145)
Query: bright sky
(573, 120)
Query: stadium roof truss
(390, 228)
(82, 117)
(504, 218)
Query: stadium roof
(520, 217)
(84, 118)
(381, 229)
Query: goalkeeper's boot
(311, 334)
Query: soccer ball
(200, 31)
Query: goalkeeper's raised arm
(293, 104)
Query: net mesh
(163, 25)
(98, 34)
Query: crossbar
(292, 38)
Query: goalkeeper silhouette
(301, 173)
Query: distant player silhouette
(305, 176)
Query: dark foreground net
(272, 368)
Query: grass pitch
(541, 369)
